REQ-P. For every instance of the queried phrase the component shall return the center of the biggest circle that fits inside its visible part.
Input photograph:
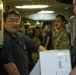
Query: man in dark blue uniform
(13, 56)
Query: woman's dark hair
(74, 40)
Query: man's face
(12, 23)
(58, 23)
(74, 3)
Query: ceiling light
(31, 6)
(1, 5)
(37, 22)
(67, 7)
(46, 12)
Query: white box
(53, 62)
(36, 70)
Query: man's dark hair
(12, 11)
(62, 17)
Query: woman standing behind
(47, 36)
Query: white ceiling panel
(59, 8)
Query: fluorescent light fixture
(46, 12)
(31, 6)
(1, 5)
(37, 22)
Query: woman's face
(46, 28)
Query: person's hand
(73, 72)
(56, 29)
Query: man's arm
(11, 68)
(73, 72)
(47, 42)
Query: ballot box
(53, 62)
(36, 70)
